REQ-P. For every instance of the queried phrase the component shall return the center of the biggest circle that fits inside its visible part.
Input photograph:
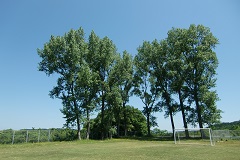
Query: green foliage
(145, 84)
(37, 135)
(135, 122)
(63, 134)
(101, 59)
(201, 63)
(192, 63)
(164, 74)
(158, 133)
(226, 125)
(177, 68)
(6, 136)
(65, 57)
(92, 75)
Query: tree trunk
(77, 113)
(118, 128)
(148, 122)
(78, 128)
(125, 119)
(102, 121)
(88, 124)
(183, 114)
(172, 122)
(78, 120)
(199, 116)
(118, 121)
(170, 112)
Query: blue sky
(26, 25)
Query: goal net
(193, 136)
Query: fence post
(27, 137)
(49, 132)
(38, 135)
(13, 137)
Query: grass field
(120, 149)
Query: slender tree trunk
(88, 124)
(78, 128)
(118, 127)
(125, 119)
(118, 121)
(78, 121)
(148, 121)
(183, 114)
(77, 113)
(170, 112)
(102, 121)
(172, 122)
(199, 116)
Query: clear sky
(26, 25)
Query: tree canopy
(175, 74)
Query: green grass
(120, 149)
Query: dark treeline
(176, 74)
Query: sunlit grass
(120, 149)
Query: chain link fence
(221, 135)
(49, 135)
(36, 135)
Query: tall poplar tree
(122, 76)
(177, 49)
(162, 72)
(64, 56)
(87, 84)
(202, 63)
(145, 85)
(101, 58)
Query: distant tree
(158, 132)
(226, 125)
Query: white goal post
(200, 135)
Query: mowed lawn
(120, 149)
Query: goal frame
(192, 129)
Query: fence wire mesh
(36, 135)
(220, 135)
(47, 135)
